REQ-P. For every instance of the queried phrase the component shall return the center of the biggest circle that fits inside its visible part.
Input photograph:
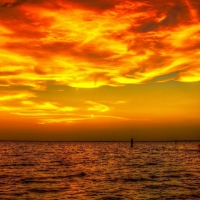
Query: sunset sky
(99, 69)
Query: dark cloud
(148, 27)
(59, 47)
(175, 15)
(97, 4)
(12, 3)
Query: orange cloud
(86, 45)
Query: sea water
(99, 170)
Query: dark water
(103, 171)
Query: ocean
(99, 170)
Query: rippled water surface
(104, 170)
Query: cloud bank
(88, 44)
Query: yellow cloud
(28, 105)
(78, 46)
(70, 119)
(14, 96)
(190, 76)
(94, 106)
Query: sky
(81, 70)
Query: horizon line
(181, 140)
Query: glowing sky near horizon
(80, 64)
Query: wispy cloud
(94, 106)
(29, 105)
